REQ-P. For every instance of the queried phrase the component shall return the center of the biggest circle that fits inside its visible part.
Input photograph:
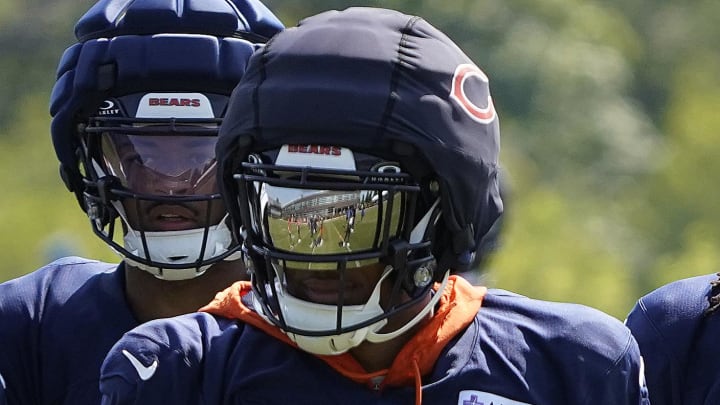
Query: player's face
(324, 286)
(165, 166)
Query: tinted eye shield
(173, 159)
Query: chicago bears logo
(469, 100)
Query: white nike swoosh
(145, 372)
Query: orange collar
(456, 310)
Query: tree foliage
(608, 121)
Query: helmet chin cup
(169, 275)
(311, 325)
(180, 250)
(333, 345)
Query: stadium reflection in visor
(329, 222)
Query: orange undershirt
(456, 309)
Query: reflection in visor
(329, 222)
(161, 164)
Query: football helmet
(135, 113)
(401, 124)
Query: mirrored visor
(182, 165)
(320, 222)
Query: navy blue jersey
(57, 325)
(513, 351)
(679, 342)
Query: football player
(676, 326)
(135, 114)
(376, 107)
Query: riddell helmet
(398, 127)
(135, 113)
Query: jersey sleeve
(659, 360)
(163, 361)
(24, 304)
(624, 383)
(601, 360)
(664, 323)
(157, 362)
(19, 339)
(33, 311)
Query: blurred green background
(610, 128)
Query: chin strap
(178, 248)
(169, 274)
(375, 337)
(176, 274)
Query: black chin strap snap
(416, 267)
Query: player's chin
(327, 292)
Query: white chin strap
(319, 317)
(427, 309)
(179, 247)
